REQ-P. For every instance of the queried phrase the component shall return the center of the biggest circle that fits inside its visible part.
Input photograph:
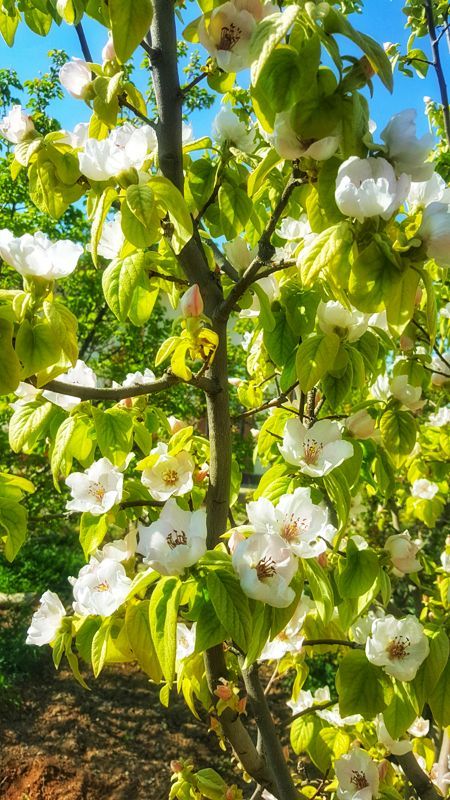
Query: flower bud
(235, 539)
(17, 125)
(176, 766)
(176, 424)
(108, 52)
(223, 692)
(406, 343)
(360, 425)
(191, 304)
(76, 77)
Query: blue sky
(382, 19)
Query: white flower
(380, 390)
(435, 232)
(35, 256)
(119, 550)
(291, 228)
(185, 641)
(289, 144)
(422, 193)
(348, 323)
(239, 254)
(289, 639)
(108, 52)
(17, 125)
(271, 288)
(227, 30)
(445, 557)
(441, 370)
(406, 393)
(424, 489)
(437, 420)
(444, 312)
(303, 526)
(361, 629)
(398, 645)
(170, 475)
(306, 699)
(76, 138)
(175, 541)
(316, 450)
(379, 320)
(333, 717)
(46, 621)
(360, 424)
(403, 551)
(405, 150)
(420, 727)
(25, 392)
(100, 588)
(76, 77)
(97, 489)
(266, 566)
(357, 775)
(124, 148)
(227, 127)
(139, 378)
(112, 238)
(79, 375)
(396, 746)
(368, 187)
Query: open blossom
(139, 378)
(403, 552)
(97, 489)
(100, 588)
(227, 127)
(191, 304)
(440, 417)
(347, 323)
(124, 148)
(368, 187)
(266, 566)
(435, 232)
(79, 375)
(36, 256)
(420, 727)
(306, 699)
(398, 747)
(289, 144)
(17, 125)
(185, 641)
(112, 238)
(76, 77)
(361, 629)
(118, 550)
(424, 489)
(239, 254)
(441, 370)
(360, 424)
(76, 138)
(175, 541)
(303, 526)
(226, 32)
(406, 393)
(170, 475)
(398, 645)
(357, 776)
(405, 150)
(423, 193)
(316, 450)
(46, 621)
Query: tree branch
(126, 104)
(311, 710)
(334, 642)
(418, 779)
(83, 43)
(123, 392)
(278, 401)
(434, 39)
(186, 89)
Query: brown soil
(61, 742)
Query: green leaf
(174, 203)
(329, 251)
(28, 424)
(362, 688)
(276, 481)
(9, 21)
(338, 490)
(401, 711)
(400, 300)
(280, 342)
(119, 282)
(139, 217)
(114, 429)
(440, 698)
(235, 208)
(328, 745)
(37, 347)
(335, 22)
(130, 22)
(92, 532)
(139, 635)
(358, 571)
(398, 433)
(321, 589)
(315, 357)
(281, 78)
(431, 670)
(267, 34)
(61, 460)
(13, 519)
(9, 362)
(257, 177)
(305, 730)
(209, 631)
(101, 211)
(163, 613)
(99, 647)
(231, 606)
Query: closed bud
(361, 425)
(191, 304)
(128, 177)
(108, 52)
(76, 78)
(176, 766)
(223, 692)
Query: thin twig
(434, 346)
(277, 402)
(126, 104)
(434, 40)
(334, 642)
(187, 88)
(417, 777)
(170, 278)
(123, 392)
(311, 710)
(83, 43)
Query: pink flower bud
(383, 767)
(223, 692)
(191, 304)
(176, 766)
(406, 343)
(108, 52)
(235, 539)
(241, 706)
(176, 424)
(322, 560)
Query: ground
(60, 742)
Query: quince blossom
(398, 645)
(100, 588)
(441, 370)
(175, 541)
(360, 424)
(423, 193)
(108, 52)
(191, 304)
(289, 145)
(185, 641)
(403, 551)
(227, 127)
(226, 32)
(36, 256)
(306, 699)
(266, 566)
(125, 147)
(398, 747)
(239, 254)
(79, 375)
(289, 640)
(17, 125)
(440, 418)
(46, 621)
(368, 187)
(171, 475)
(316, 450)
(406, 393)
(405, 150)
(270, 286)
(97, 489)
(303, 526)
(435, 232)
(420, 727)
(424, 489)
(357, 775)
(76, 77)
(112, 238)
(348, 324)
(118, 550)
